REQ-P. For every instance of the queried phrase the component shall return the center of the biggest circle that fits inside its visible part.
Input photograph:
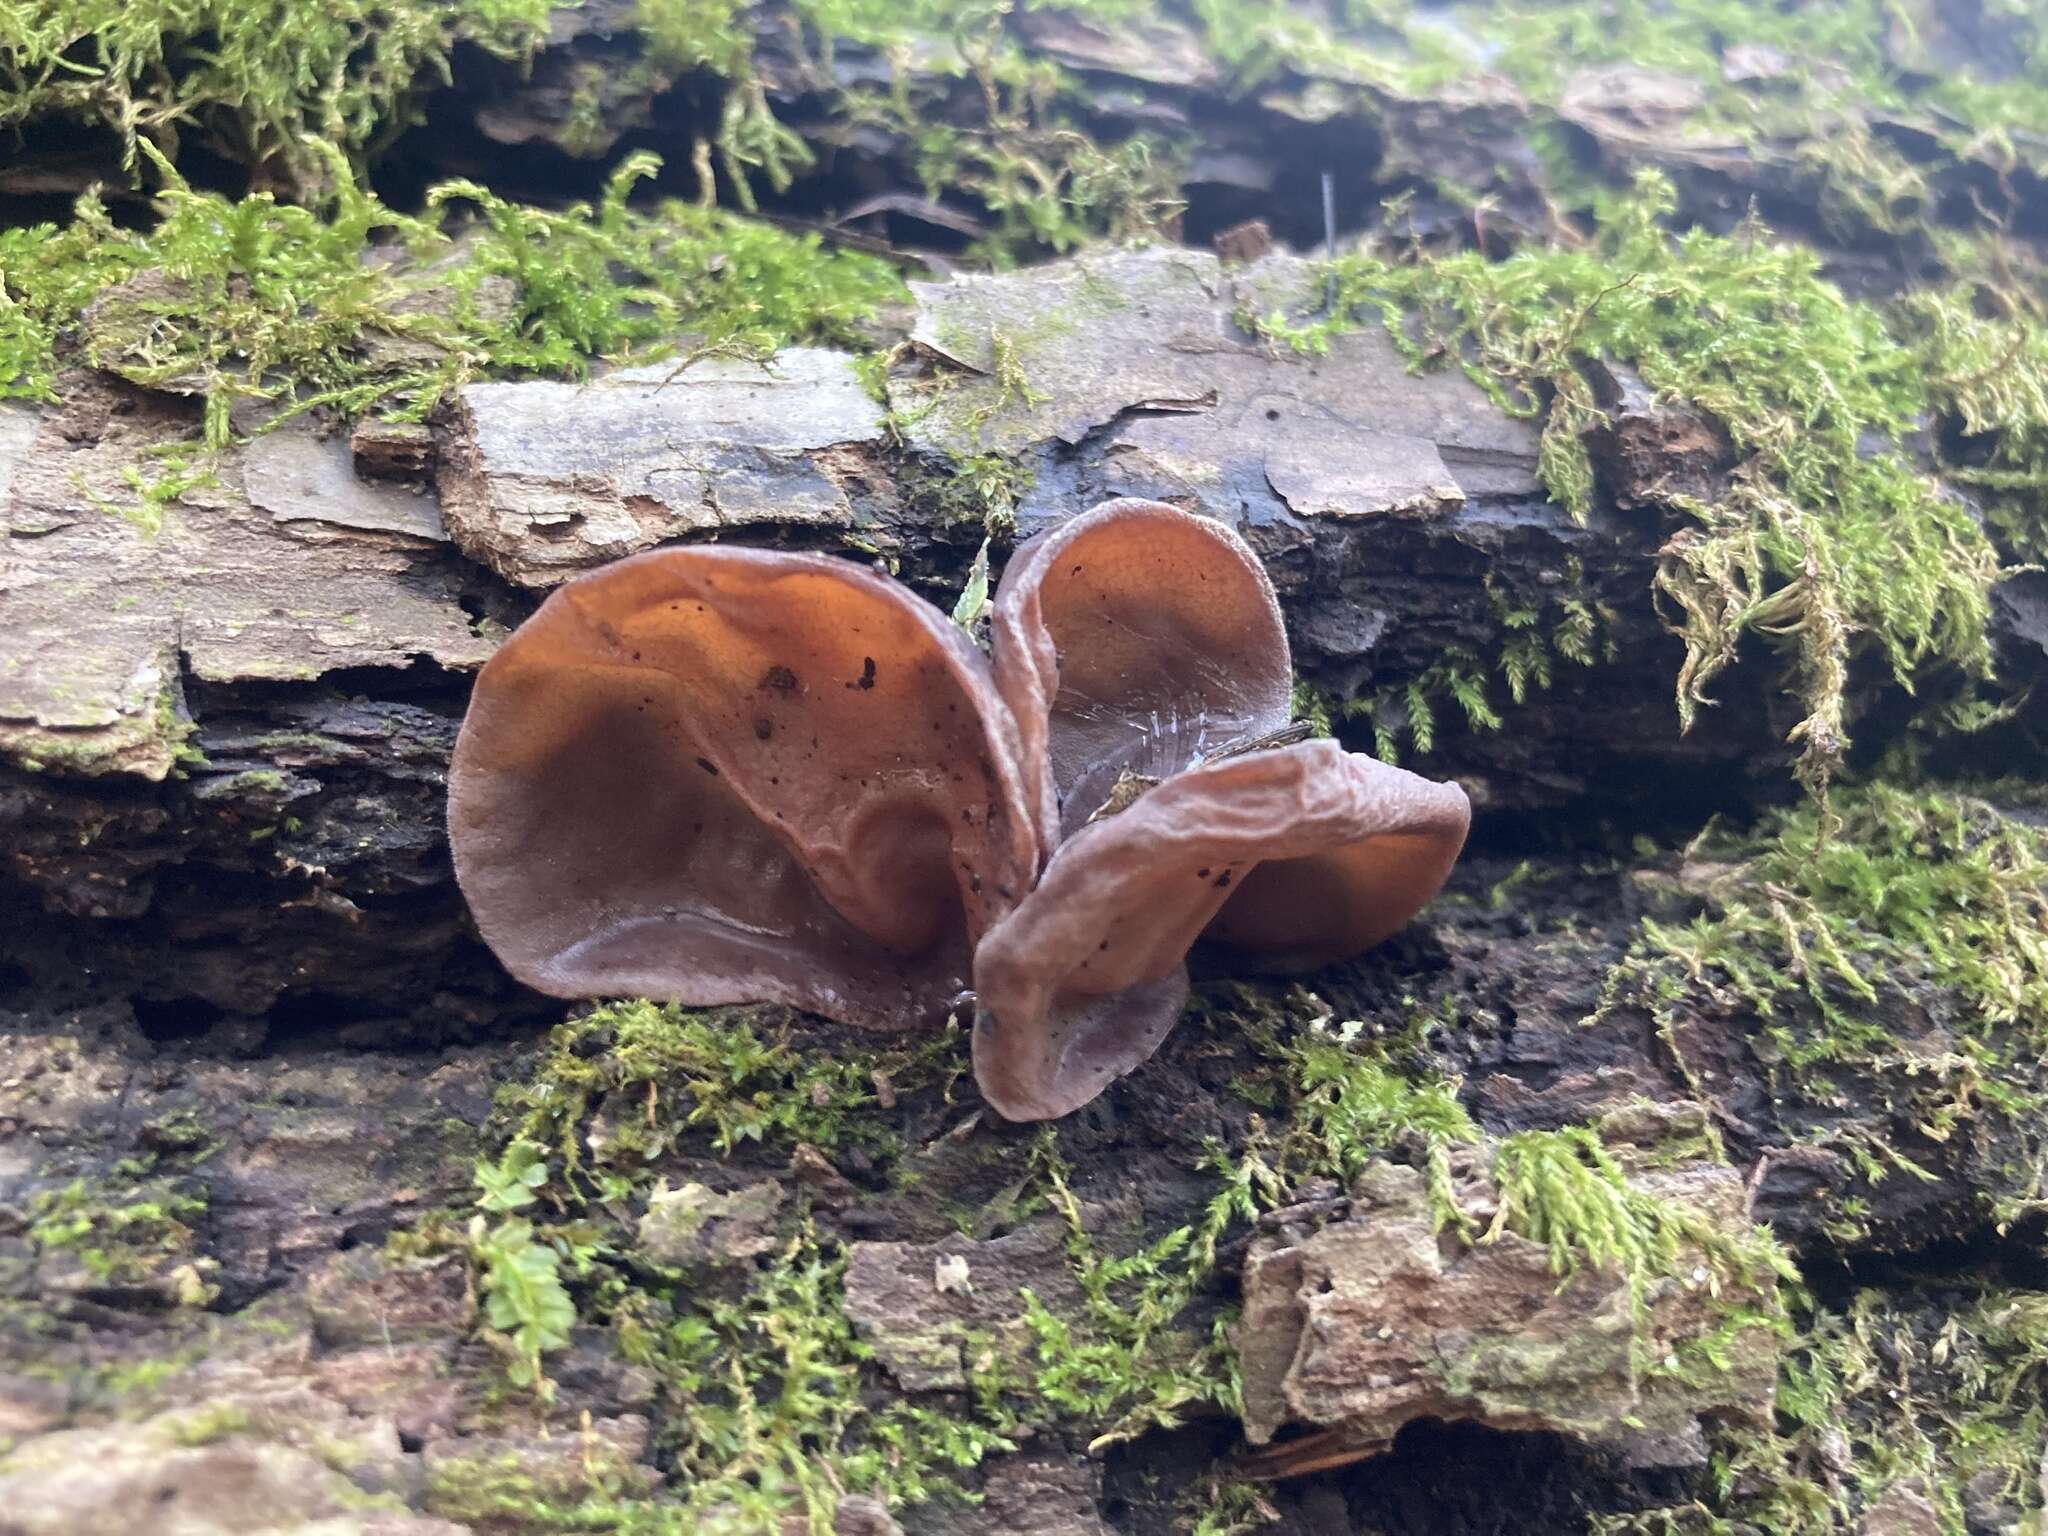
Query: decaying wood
(225, 897)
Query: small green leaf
(509, 1184)
(974, 597)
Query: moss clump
(126, 1233)
(1818, 541)
(1565, 1190)
(206, 1426)
(252, 81)
(1016, 139)
(758, 1369)
(1915, 891)
(774, 1426)
(1938, 1388)
(1984, 350)
(1133, 1362)
(1920, 905)
(350, 305)
(1831, 55)
(759, 1366)
(1538, 637)
(664, 1074)
(1351, 1102)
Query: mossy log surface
(1680, 1170)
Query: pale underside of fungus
(721, 775)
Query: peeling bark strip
(542, 480)
(1352, 1331)
(1143, 349)
(282, 567)
(1398, 513)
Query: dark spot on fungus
(781, 679)
(708, 766)
(1223, 880)
(763, 728)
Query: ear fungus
(1304, 853)
(722, 775)
(1134, 637)
(728, 775)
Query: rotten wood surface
(227, 903)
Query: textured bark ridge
(284, 568)
(543, 480)
(1366, 1324)
(1393, 508)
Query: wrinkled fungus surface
(722, 775)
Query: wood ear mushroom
(721, 775)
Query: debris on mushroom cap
(727, 775)
(1299, 855)
(1134, 637)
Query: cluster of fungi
(717, 775)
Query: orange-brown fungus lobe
(1294, 856)
(1137, 640)
(729, 775)
(725, 775)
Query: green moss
(582, 1493)
(1914, 891)
(981, 488)
(138, 1377)
(1021, 146)
(1221, 1506)
(252, 81)
(1940, 1387)
(1565, 1190)
(1349, 1104)
(695, 34)
(1816, 542)
(1351, 1097)
(1918, 905)
(181, 1134)
(1834, 57)
(731, 1076)
(176, 728)
(764, 1422)
(204, 1426)
(1984, 350)
(252, 299)
(1049, 185)
(124, 1232)
(1345, 1093)
(1133, 1363)
(771, 1427)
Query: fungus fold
(721, 775)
